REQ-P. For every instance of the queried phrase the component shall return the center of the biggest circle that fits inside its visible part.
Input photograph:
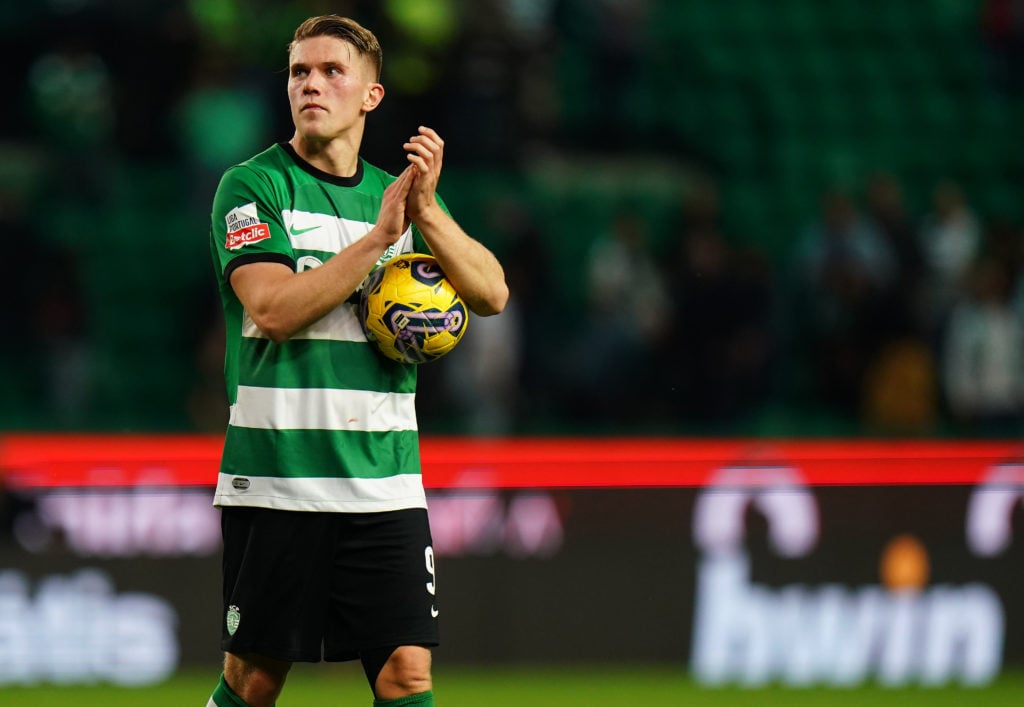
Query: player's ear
(374, 95)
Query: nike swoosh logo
(299, 231)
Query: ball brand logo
(897, 632)
(426, 272)
(412, 326)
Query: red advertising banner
(73, 460)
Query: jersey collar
(305, 166)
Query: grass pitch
(614, 686)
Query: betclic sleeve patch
(244, 227)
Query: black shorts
(303, 586)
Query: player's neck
(338, 156)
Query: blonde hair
(345, 29)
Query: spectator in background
(504, 363)
(719, 346)
(483, 374)
(951, 241)
(50, 370)
(62, 330)
(886, 212)
(535, 298)
(844, 271)
(623, 282)
(71, 103)
(983, 366)
(900, 391)
(627, 309)
(842, 242)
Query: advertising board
(803, 562)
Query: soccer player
(327, 549)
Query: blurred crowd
(882, 317)
(881, 321)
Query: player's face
(330, 87)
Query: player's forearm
(469, 265)
(293, 302)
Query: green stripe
(318, 363)
(320, 453)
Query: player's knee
(256, 679)
(406, 672)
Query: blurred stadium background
(750, 219)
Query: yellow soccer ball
(410, 310)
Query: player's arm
(469, 265)
(282, 302)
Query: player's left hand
(426, 152)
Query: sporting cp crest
(232, 620)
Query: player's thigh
(276, 578)
(384, 584)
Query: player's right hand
(392, 220)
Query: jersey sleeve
(246, 224)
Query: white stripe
(391, 493)
(323, 409)
(340, 324)
(322, 231)
(331, 234)
(249, 328)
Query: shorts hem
(342, 657)
(276, 655)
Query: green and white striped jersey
(320, 422)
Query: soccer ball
(410, 310)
